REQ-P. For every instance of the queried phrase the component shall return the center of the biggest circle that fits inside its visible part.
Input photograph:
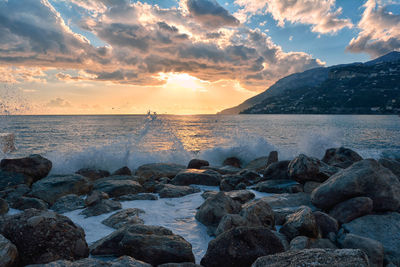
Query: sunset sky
(175, 56)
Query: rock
(183, 264)
(153, 244)
(326, 224)
(258, 213)
(257, 164)
(279, 186)
(139, 196)
(194, 176)
(12, 194)
(364, 178)
(95, 197)
(303, 169)
(24, 203)
(172, 191)
(3, 206)
(280, 214)
(230, 221)
(93, 174)
(392, 165)
(384, 228)
(223, 170)
(283, 239)
(242, 196)
(351, 209)
(116, 188)
(341, 157)
(34, 166)
(372, 248)
(68, 203)
(216, 207)
(310, 186)
(249, 176)
(124, 218)
(300, 223)
(8, 253)
(124, 261)
(315, 257)
(241, 246)
(10, 179)
(158, 170)
(122, 171)
(275, 171)
(300, 242)
(197, 164)
(232, 161)
(288, 200)
(272, 157)
(229, 182)
(101, 207)
(44, 236)
(53, 187)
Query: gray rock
(53, 187)
(310, 186)
(101, 207)
(341, 157)
(242, 196)
(158, 170)
(364, 178)
(384, 228)
(288, 200)
(279, 186)
(93, 174)
(232, 161)
(34, 166)
(241, 246)
(230, 221)
(68, 203)
(12, 194)
(230, 182)
(11, 179)
(326, 224)
(8, 253)
(351, 209)
(183, 264)
(116, 188)
(303, 169)
(257, 164)
(173, 191)
(197, 163)
(281, 214)
(315, 257)
(276, 171)
(3, 206)
(194, 176)
(24, 203)
(124, 261)
(223, 170)
(122, 171)
(272, 157)
(44, 236)
(258, 213)
(304, 242)
(95, 197)
(124, 218)
(392, 165)
(300, 223)
(153, 244)
(139, 196)
(249, 176)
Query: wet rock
(158, 170)
(3, 206)
(272, 157)
(258, 213)
(116, 188)
(372, 248)
(24, 203)
(241, 246)
(310, 186)
(95, 197)
(275, 171)
(214, 208)
(300, 223)
(197, 163)
(93, 174)
(257, 164)
(140, 196)
(351, 209)
(364, 178)
(242, 196)
(207, 194)
(384, 228)
(122, 171)
(44, 236)
(101, 207)
(288, 200)
(341, 157)
(10, 179)
(68, 203)
(194, 176)
(232, 161)
(303, 169)
(326, 224)
(173, 191)
(230, 182)
(124, 218)
(223, 170)
(12, 194)
(230, 221)
(315, 257)
(392, 165)
(249, 176)
(53, 187)
(279, 186)
(34, 166)
(8, 253)
(153, 244)
(124, 261)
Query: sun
(179, 81)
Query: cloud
(21, 74)
(58, 103)
(379, 30)
(320, 14)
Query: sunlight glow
(183, 81)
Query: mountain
(350, 88)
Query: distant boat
(151, 116)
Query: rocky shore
(341, 210)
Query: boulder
(249, 176)
(116, 188)
(232, 161)
(153, 244)
(341, 157)
(230, 221)
(124, 261)
(172, 191)
(11, 179)
(95, 197)
(304, 242)
(363, 178)
(139, 196)
(275, 171)
(197, 163)
(68, 203)
(272, 157)
(280, 214)
(53, 187)
(34, 166)
(392, 165)
(241, 246)
(8, 253)
(124, 218)
(12, 194)
(242, 196)
(279, 186)
(384, 228)
(257, 164)
(44, 236)
(300, 223)
(100, 207)
(223, 170)
(214, 208)
(258, 213)
(122, 171)
(158, 170)
(183, 264)
(372, 248)
(303, 169)
(24, 203)
(93, 174)
(288, 200)
(351, 209)
(310, 186)
(3, 206)
(230, 182)
(194, 176)
(315, 257)
(326, 224)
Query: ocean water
(110, 142)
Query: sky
(175, 56)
